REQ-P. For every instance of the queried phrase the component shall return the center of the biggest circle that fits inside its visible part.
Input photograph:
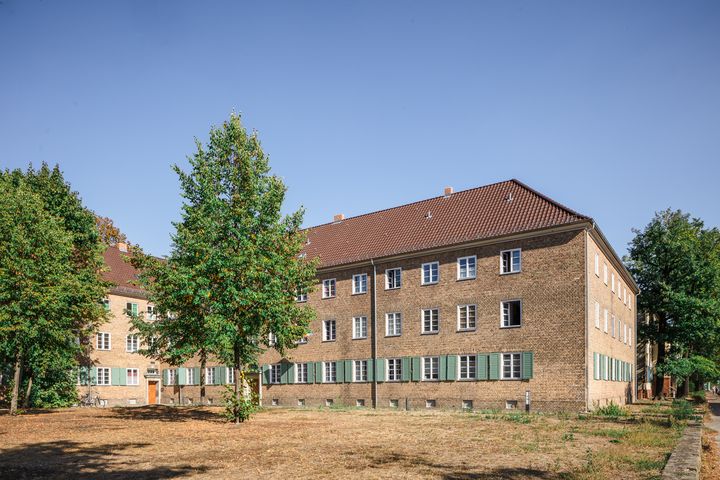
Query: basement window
(430, 403)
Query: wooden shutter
(340, 371)
(165, 377)
(114, 376)
(405, 366)
(283, 373)
(220, 375)
(452, 367)
(349, 372)
(595, 365)
(266, 374)
(443, 368)
(380, 369)
(481, 372)
(318, 372)
(310, 372)
(527, 365)
(370, 370)
(494, 366)
(182, 376)
(196, 376)
(415, 369)
(123, 376)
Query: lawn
(168, 442)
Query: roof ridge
(426, 200)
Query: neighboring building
(473, 299)
(119, 375)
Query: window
(132, 376)
(131, 343)
(466, 317)
(301, 402)
(605, 276)
(301, 296)
(172, 374)
(467, 404)
(272, 339)
(394, 403)
(511, 313)
(630, 336)
(466, 267)
(330, 372)
(103, 341)
(630, 301)
(359, 283)
(619, 289)
(131, 309)
(511, 366)
(467, 367)
(151, 312)
(431, 368)
(361, 373)
(360, 402)
(624, 295)
(191, 376)
(430, 273)
(430, 403)
(597, 265)
(328, 288)
(230, 375)
(393, 278)
(393, 324)
(430, 320)
(612, 282)
(394, 369)
(329, 331)
(625, 333)
(359, 327)
(606, 321)
(103, 376)
(597, 315)
(275, 373)
(210, 375)
(612, 327)
(301, 373)
(510, 261)
(302, 341)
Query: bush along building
(493, 297)
(117, 374)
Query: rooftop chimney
(122, 247)
(448, 191)
(338, 218)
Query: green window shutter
(595, 365)
(405, 365)
(443, 368)
(123, 376)
(291, 373)
(283, 373)
(196, 376)
(93, 376)
(340, 371)
(165, 377)
(266, 374)
(494, 364)
(452, 367)
(349, 373)
(380, 369)
(415, 369)
(182, 376)
(114, 376)
(84, 373)
(318, 372)
(527, 365)
(310, 372)
(481, 372)
(371, 370)
(220, 375)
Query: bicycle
(90, 400)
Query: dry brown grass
(164, 442)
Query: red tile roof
(495, 210)
(121, 273)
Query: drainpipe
(374, 334)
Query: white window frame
(172, 376)
(101, 345)
(210, 375)
(465, 373)
(301, 373)
(605, 273)
(361, 332)
(190, 376)
(360, 370)
(612, 327)
(630, 337)
(514, 357)
(502, 313)
(103, 379)
(466, 309)
(329, 288)
(612, 281)
(619, 288)
(275, 374)
(512, 263)
(396, 371)
(359, 283)
(432, 267)
(230, 375)
(597, 315)
(328, 333)
(625, 295)
(597, 265)
(329, 372)
(434, 363)
(397, 324)
(432, 311)
(625, 327)
(134, 345)
(606, 321)
(467, 275)
(129, 376)
(396, 278)
(301, 297)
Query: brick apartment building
(475, 299)
(121, 376)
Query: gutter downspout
(373, 352)
(586, 266)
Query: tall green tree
(676, 263)
(236, 263)
(48, 360)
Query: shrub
(681, 409)
(612, 409)
(238, 407)
(699, 396)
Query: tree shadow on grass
(74, 460)
(165, 413)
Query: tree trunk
(16, 383)
(686, 387)
(660, 379)
(203, 362)
(26, 400)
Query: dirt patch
(710, 456)
(165, 442)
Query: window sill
(329, 298)
(393, 335)
(466, 278)
(429, 284)
(510, 273)
(510, 326)
(393, 288)
(359, 293)
(360, 338)
(430, 380)
(430, 333)
(328, 341)
(465, 330)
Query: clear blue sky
(612, 108)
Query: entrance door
(152, 393)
